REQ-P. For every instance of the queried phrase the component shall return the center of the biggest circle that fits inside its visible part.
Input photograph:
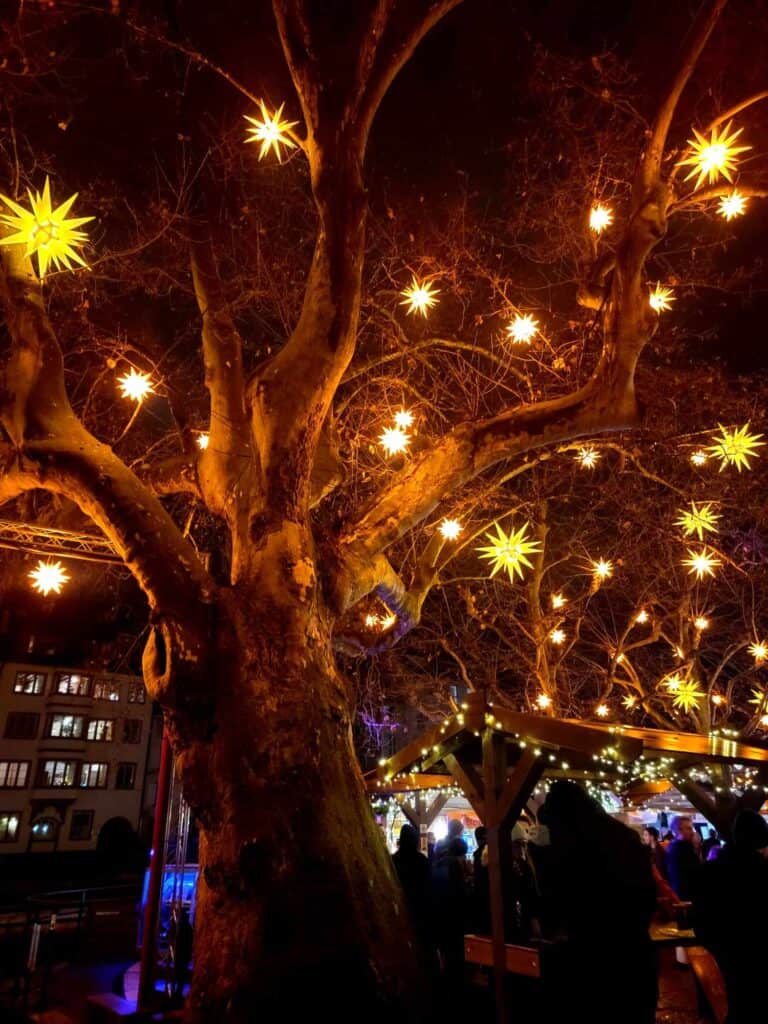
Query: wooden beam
(499, 857)
(518, 787)
(434, 809)
(464, 773)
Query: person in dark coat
(603, 888)
(412, 868)
(683, 861)
(730, 916)
(449, 903)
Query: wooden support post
(518, 787)
(494, 774)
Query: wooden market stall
(498, 757)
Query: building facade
(74, 751)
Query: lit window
(56, 774)
(136, 693)
(126, 775)
(45, 828)
(93, 775)
(66, 727)
(106, 689)
(29, 682)
(81, 826)
(13, 774)
(73, 683)
(9, 826)
(21, 725)
(100, 729)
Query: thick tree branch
(650, 166)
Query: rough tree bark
(297, 904)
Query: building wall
(50, 803)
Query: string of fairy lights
(56, 240)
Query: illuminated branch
(651, 162)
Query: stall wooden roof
(562, 744)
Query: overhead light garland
(714, 157)
(697, 521)
(419, 296)
(510, 551)
(46, 231)
(48, 577)
(736, 447)
(271, 131)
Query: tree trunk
(298, 908)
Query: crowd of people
(591, 886)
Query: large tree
(296, 895)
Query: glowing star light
(717, 699)
(732, 205)
(48, 577)
(602, 710)
(271, 131)
(759, 698)
(509, 552)
(759, 651)
(394, 440)
(701, 563)
(698, 521)
(701, 622)
(687, 696)
(588, 457)
(202, 441)
(661, 299)
(600, 217)
(522, 329)
(450, 528)
(419, 296)
(135, 385)
(629, 701)
(46, 231)
(673, 683)
(736, 447)
(642, 617)
(713, 157)
(557, 636)
(602, 569)
(698, 458)
(543, 701)
(403, 419)
(558, 600)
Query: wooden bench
(478, 949)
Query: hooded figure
(731, 916)
(600, 881)
(412, 869)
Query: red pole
(154, 891)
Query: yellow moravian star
(736, 447)
(710, 158)
(271, 131)
(511, 551)
(687, 696)
(45, 231)
(698, 520)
